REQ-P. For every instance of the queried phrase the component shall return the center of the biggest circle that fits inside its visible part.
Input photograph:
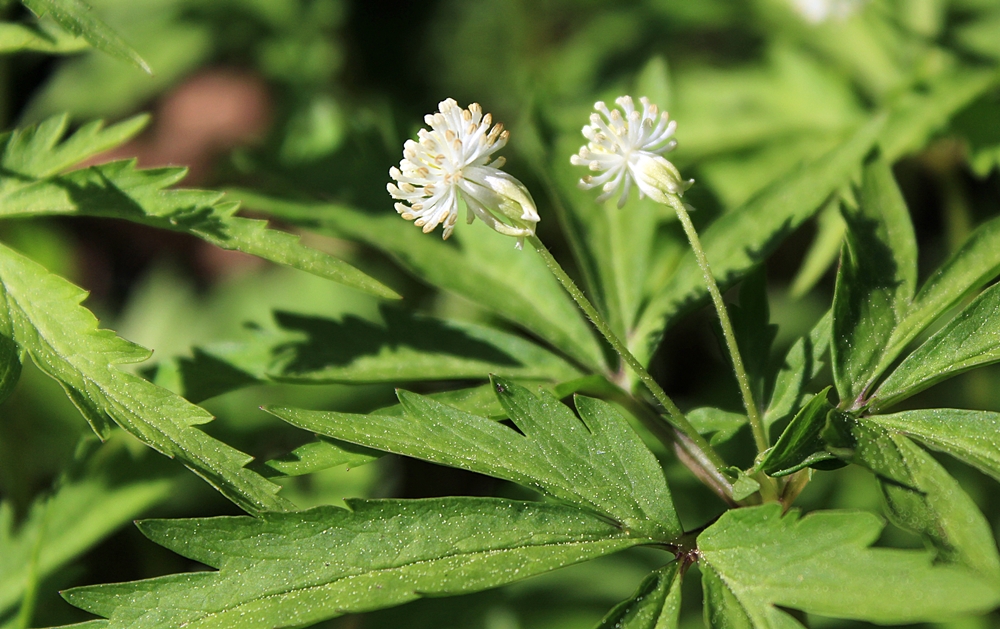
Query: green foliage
(78, 18)
(523, 442)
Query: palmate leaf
(599, 464)
(41, 313)
(30, 185)
(402, 347)
(875, 283)
(474, 264)
(755, 559)
(294, 569)
(78, 18)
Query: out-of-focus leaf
(42, 314)
(296, 569)
(29, 186)
(876, 281)
(15, 37)
(10, 366)
(78, 18)
(475, 263)
(917, 114)
(981, 35)
(109, 490)
(722, 425)
(823, 564)
(972, 436)
(979, 127)
(754, 331)
(830, 229)
(655, 605)
(554, 452)
(740, 239)
(969, 340)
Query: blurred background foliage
(312, 99)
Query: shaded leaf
(822, 564)
(41, 312)
(78, 18)
(599, 464)
(803, 442)
(969, 340)
(656, 604)
(475, 263)
(318, 455)
(876, 281)
(109, 490)
(823, 252)
(800, 366)
(295, 569)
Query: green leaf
(403, 347)
(41, 312)
(475, 263)
(30, 185)
(968, 269)
(15, 37)
(10, 366)
(656, 604)
(922, 497)
(722, 425)
(972, 436)
(109, 490)
(917, 114)
(600, 463)
(876, 281)
(979, 127)
(40, 151)
(823, 252)
(321, 454)
(969, 340)
(325, 452)
(78, 18)
(802, 444)
(754, 331)
(740, 239)
(801, 365)
(822, 564)
(295, 569)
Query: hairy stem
(753, 414)
(707, 455)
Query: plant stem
(756, 425)
(674, 414)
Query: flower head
(626, 146)
(452, 161)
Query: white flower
(627, 145)
(818, 11)
(452, 161)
